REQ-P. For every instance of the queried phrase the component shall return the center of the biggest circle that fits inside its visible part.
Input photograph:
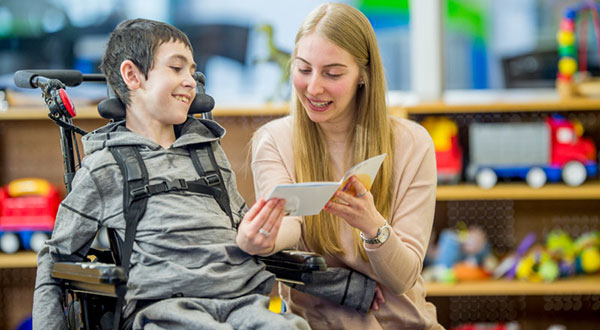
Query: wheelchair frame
(98, 283)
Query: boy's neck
(158, 132)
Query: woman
(339, 118)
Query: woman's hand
(358, 211)
(378, 299)
(258, 229)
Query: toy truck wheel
(574, 173)
(37, 241)
(536, 177)
(486, 178)
(9, 243)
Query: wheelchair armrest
(294, 266)
(91, 277)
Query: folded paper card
(309, 198)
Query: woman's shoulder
(408, 129)
(276, 128)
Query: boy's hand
(258, 229)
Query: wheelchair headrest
(113, 108)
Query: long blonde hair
(349, 29)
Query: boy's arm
(290, 227)
(269, 169)
(75, 228)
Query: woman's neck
(338, 131)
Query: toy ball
(567, 50)
(560, 244)
(563, 78)
(567, 24)
(548, 270)
(525, 267)
(565, 38)
(567, 66)
(590, 259)
(569, 13)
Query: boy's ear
(131, 75)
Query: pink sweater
(396, 264)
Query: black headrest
(113, 108)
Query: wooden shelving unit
(28, 128)
(507, 213)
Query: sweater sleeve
(269, 168)
(74, 230)
(342, 286)
(398, 262)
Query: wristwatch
(383, 233)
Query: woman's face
(325, 78)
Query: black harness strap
(137, 190)
(135, 176)
(203, 158)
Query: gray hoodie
(184, 242)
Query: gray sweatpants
(248, 312)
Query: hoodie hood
(192, 131)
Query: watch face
(384, 234)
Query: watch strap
(377, 238)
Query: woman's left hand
(358, 211)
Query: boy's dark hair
(136, 40)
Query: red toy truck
(448, 153)
(537, 152)
(27, 213)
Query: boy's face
(170, 88)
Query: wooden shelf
(581, 285)
(18, 260)
(499, 106)
(90, 112)
(519, 191)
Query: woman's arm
(398, 261)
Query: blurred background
(488, 44)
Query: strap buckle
(140, 192)
(175, 185)
(211, 179)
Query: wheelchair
(94, 288)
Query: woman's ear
(130, 74)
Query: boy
(186, 269)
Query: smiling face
(326, 78)
(167, 93)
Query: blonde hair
(349, 29)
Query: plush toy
(462, 255)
